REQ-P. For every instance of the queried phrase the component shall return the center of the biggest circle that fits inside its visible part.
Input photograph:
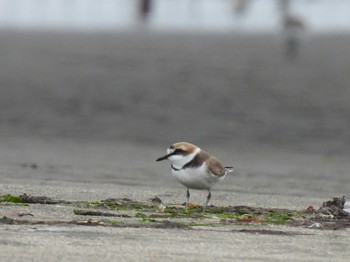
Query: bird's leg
(188, 198)
(207, 202)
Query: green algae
(238, 215)
(10, 199)
(148, 220)
(120, 204)
(158, 213)
(281, 218)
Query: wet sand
(156, 88)
(84, 116)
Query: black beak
(165, 157)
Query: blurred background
(205, 15)
(240, 76)
(222, 71)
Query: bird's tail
(229, 169)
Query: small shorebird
(195, 168)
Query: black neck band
(193, 163)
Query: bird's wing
(215, 167)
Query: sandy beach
(85, 115)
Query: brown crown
(184, 146)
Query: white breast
(196, 178)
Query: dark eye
(178, 151)
(171, 147)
